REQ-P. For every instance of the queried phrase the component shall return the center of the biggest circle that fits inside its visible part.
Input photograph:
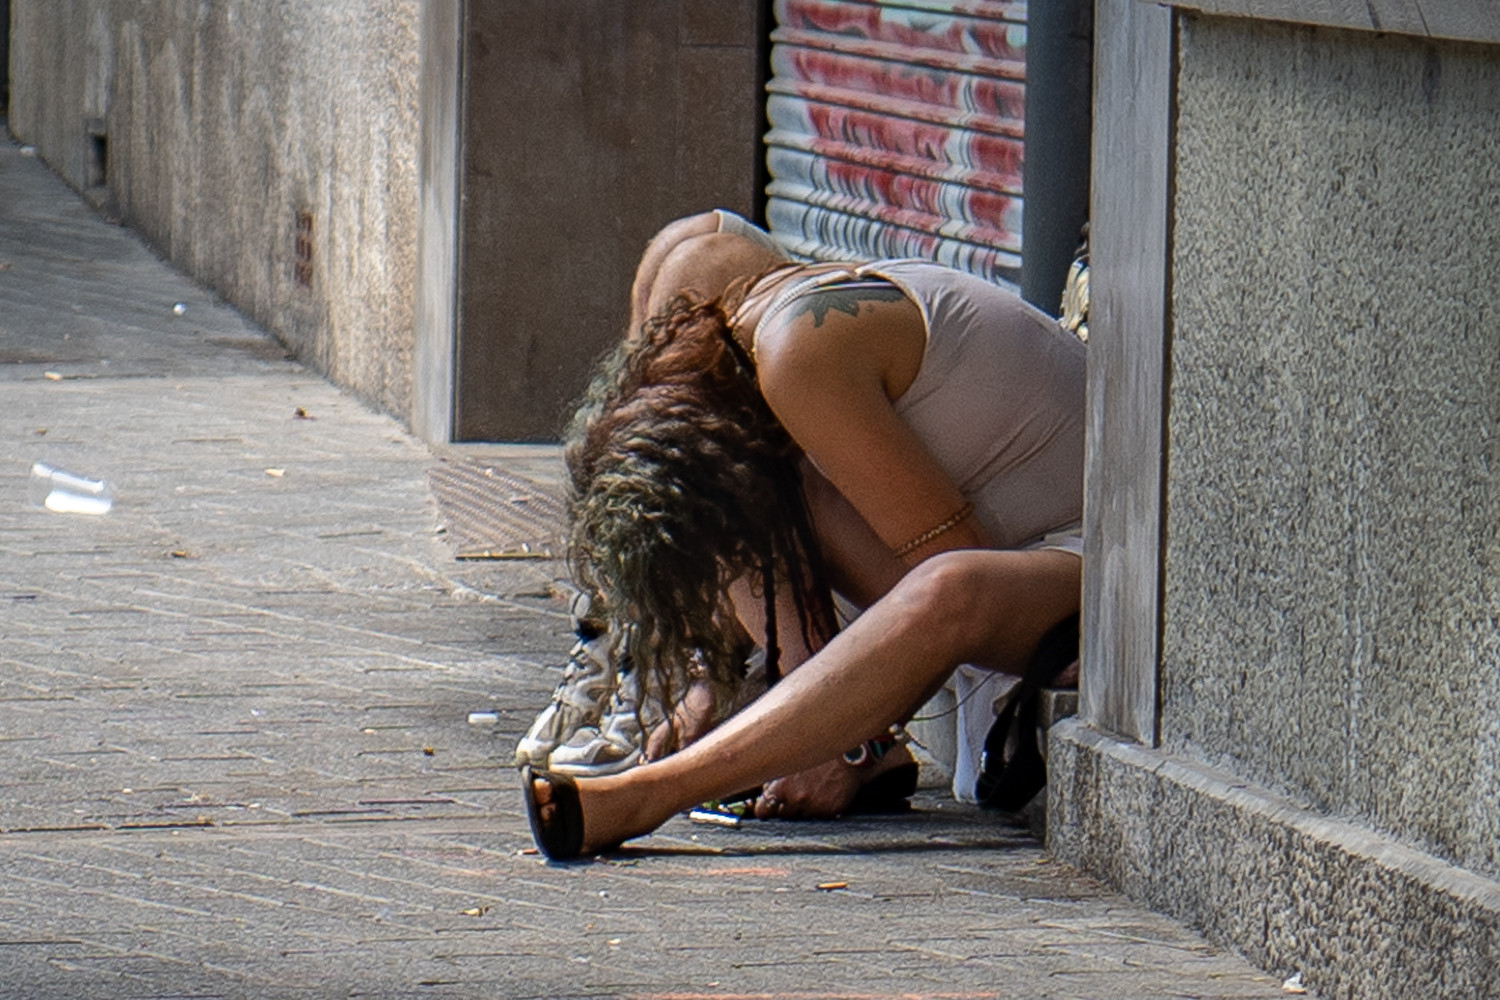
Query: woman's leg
(860, 567)
(971, 606)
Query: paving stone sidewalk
(234, 754)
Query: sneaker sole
(588, 770)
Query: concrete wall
(1333, 515)
(1319, 790)
(222, 123)
(237, 134)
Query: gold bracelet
(952, 522)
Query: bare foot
(556, 822)
(610, 811)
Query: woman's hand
(692, 717)
(822, 792)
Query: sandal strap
(559, 837)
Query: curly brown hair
(682, 480)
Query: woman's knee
(948, 598)
(985, 606)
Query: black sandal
(887, 792)
(1013, 770)
(559, 837)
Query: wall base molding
(1358, 914)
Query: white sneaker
(618, 742)
(581, 699)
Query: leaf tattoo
(846, 299)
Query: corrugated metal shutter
(897, 130)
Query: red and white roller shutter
(897, 130)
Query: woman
(905, 434)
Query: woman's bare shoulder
(865, 331)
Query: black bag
(1012, 767)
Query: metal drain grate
(490, 514)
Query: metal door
(898, 130)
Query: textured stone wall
(1333, 516)
(224, 123)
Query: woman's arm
(830, 366)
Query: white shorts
(1069, 539)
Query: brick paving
(234, 755)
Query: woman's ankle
(620, 806)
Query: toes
(541, 790)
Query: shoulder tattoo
(846, 300)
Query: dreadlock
(682, 480)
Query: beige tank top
(999, 397)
